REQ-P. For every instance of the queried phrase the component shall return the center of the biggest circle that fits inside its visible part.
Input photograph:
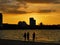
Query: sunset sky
(46, 11)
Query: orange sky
(46, 18)
(15, 11)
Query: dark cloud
(13, 6)
(16, 12)
(11, 9)
(46, 11)
(42, 1)
(10, 6)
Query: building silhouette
(32, 22)
(0, 19)
(41, 24)
(22, 24)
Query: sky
(46, 11)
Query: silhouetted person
(34, 36)
(24, 36)
(28, 36)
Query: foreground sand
(18, 42)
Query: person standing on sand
(34, 36)
(28, 36)
(24, 36)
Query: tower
(0, 19)
(32, 22)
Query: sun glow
(48, 18)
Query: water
(41, 35)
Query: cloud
(10, 6)
(28, 6)
(42, 1)
(16, 12)
(46, 11)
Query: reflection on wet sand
(40, 35)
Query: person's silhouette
(28, 36)
(34, 36)
(24, 36)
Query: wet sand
(41, 35)
(18, 42)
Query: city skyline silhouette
(24, 25)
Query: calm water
(41, 35)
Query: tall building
(0, 19)
(32, 22)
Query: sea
(40, 35)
